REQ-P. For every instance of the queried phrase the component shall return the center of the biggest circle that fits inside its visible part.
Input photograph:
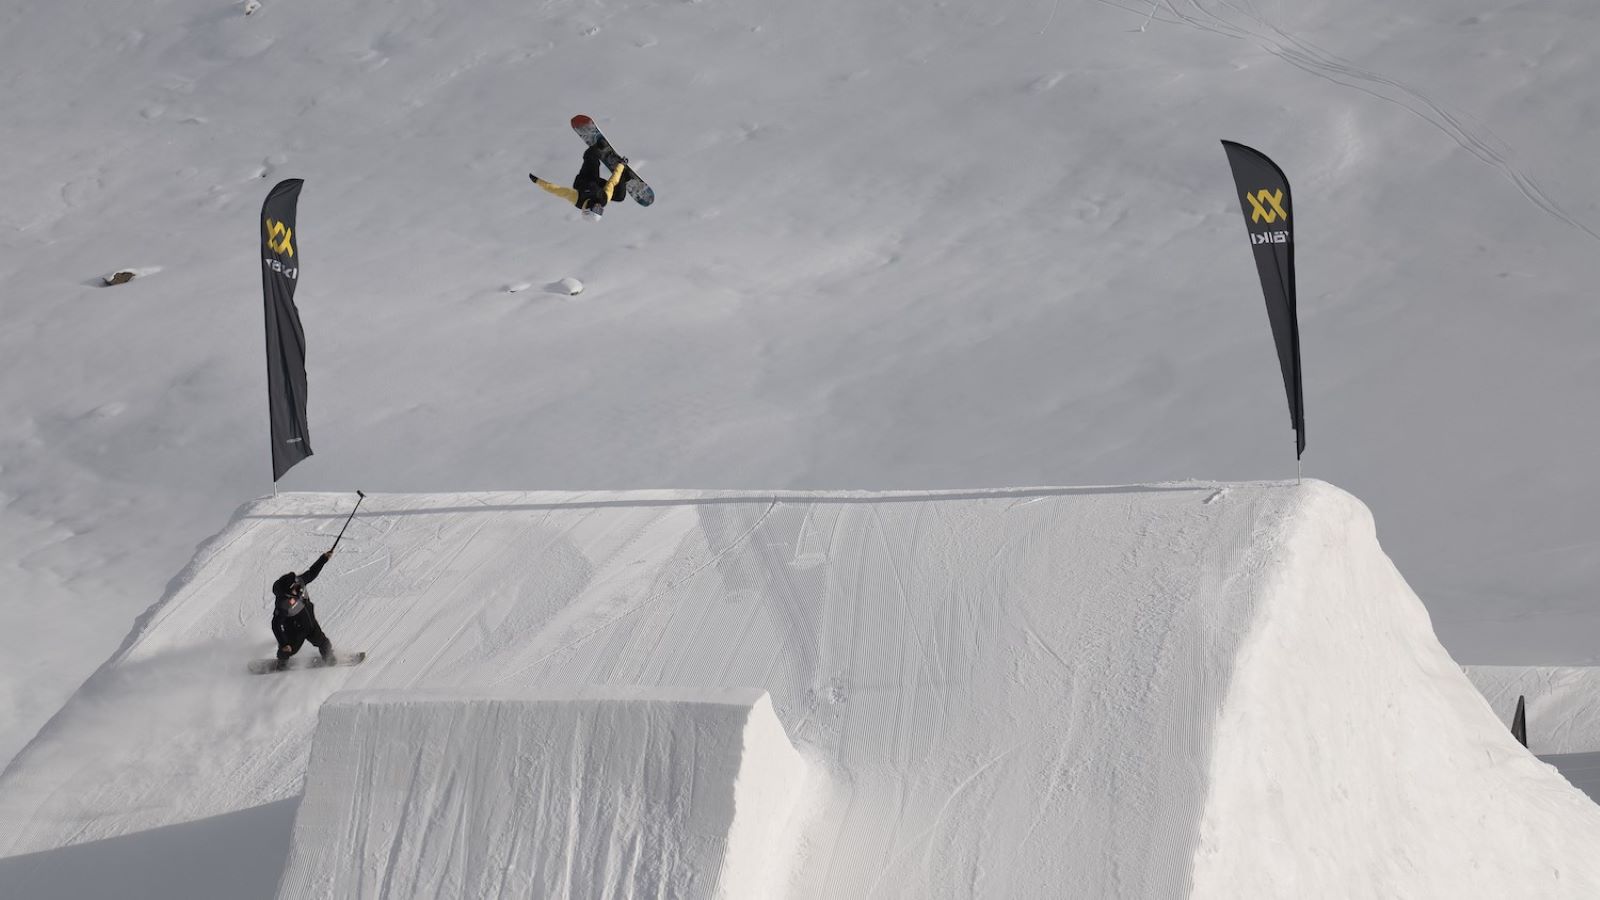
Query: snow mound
(1159, 691)
(123, 276)
(599, 792)
(1350, 738)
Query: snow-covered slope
(1351, 740)
(899, 246)
(1119, 692)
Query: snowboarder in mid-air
(604, 176)
(294, 618)
(590, 191)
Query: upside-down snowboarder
(294, 617)
(604, 176)
(590, 191)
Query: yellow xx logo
(280, 237)
(1260, 212)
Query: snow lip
(707, 696)
(292, 503)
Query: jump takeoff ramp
(595, 792)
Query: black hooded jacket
(290, 620)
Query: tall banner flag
(1264, 197)
(286, 341)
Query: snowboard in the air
(635, 186)
(313, 661)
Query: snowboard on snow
(633, 186)
(294, 663)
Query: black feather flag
(1269, 220)
(286, 341)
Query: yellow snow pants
(571, 196)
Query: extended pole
(359, 497)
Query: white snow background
(897, 246)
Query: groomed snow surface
(1174, 690)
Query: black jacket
(288, 625)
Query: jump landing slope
(1163, 691)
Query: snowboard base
(294, 663)
(635, 187)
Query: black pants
(315, 636)
(591, 182)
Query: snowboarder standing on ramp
(590, 192)
(294, 618)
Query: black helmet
(285, 584)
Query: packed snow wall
(587, 792)
(1156, 691)
(1355, 760)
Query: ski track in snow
(1246, 23)
(1563, 703)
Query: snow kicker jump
(579, 792)
(1068, 692)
